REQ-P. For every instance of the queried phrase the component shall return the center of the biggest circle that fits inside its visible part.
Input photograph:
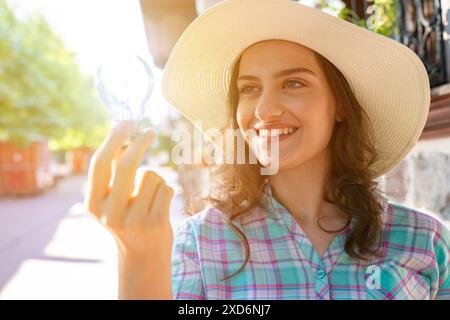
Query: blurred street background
(51, 248)
(52, 120)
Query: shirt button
(320, 274)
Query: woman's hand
(137, 217)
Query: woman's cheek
(243, 117)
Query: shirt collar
(275, 210)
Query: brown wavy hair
(236, 188)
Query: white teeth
(275, 132)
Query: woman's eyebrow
(279, 74)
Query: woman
(345, 104)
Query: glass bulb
(125, 84)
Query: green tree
(381, 14)
(43, 93)
(381, 17)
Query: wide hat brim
(387, 78)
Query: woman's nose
(268, 107)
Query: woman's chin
(284, 162)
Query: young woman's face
(281, 85)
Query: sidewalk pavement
(51, 248)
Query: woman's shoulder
(211, 222)
(401, 219)
(410, 216)
(209, 217)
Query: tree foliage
(381, 14)
(43, 93)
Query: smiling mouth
(281, 133)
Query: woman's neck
(301, 190)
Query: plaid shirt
(284, 265)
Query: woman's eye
(248, 89)
(292, 84)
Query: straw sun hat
(388, 79)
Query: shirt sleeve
(186, 272)
(442, 251)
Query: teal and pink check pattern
(284, 265)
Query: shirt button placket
(322, 286)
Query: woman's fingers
(99, 174)
(123, 180)
(161, 204)
(145, 193)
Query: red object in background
(80, 159)
(24, 170)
